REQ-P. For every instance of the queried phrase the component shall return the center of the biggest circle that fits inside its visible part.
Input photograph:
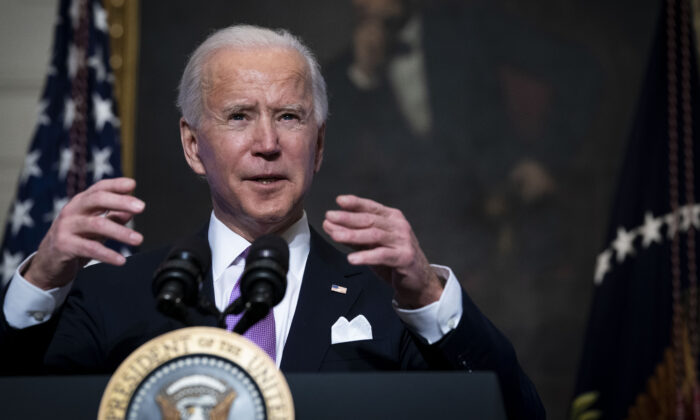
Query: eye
(237, 116)
(289, 116)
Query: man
(253, 108)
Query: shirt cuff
(27, 305)
(434, 321)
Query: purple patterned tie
(262, 332)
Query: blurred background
(496, 126)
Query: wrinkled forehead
(261, 67)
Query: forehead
(255, 69)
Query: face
(379, 22)
(258, 143)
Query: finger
(88, 248)
(356, 220)
(96, 227)
(120, 185)
(120, 217)
(101, 200)
(357, 237)
(354, 203)
(382, 256)
(329, 227)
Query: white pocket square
(344, 331)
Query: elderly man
(254, 108)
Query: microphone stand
(256, 308)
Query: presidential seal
(197, 373)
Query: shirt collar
(226, 245)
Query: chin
(275, 216)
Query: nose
(266, 139)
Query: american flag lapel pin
(339, 289)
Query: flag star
(74, 12)
(75, 57)
(100, 18)
(95, 61)
(68, 113)
(10, 262)
(623, 244)
(101, 165)
(651, 230)
(103, 112)
(58, 204)
(688, 216)
(43, 118)
(696, 216)
(602, 266)
(20, 215)
(66, 161)
(31, 168)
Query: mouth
(266, 179)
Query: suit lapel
(207, 287)
(318, 307)
(206, 290)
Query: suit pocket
(360, 355)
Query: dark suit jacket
(111, 311)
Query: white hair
(189, 98)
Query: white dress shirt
(26, 305)
(227, 267)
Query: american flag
(339, 289)
(76, 141)
(640, 357)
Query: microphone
(263, 282)
(176, 282)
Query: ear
(190, 146)
(320, 142)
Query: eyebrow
(292, 107)
(238, 108)
(296, 107)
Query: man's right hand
(77, 235)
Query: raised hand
(77, 235)
(384, 240)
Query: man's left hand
(384, 240)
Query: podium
(380, 395)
